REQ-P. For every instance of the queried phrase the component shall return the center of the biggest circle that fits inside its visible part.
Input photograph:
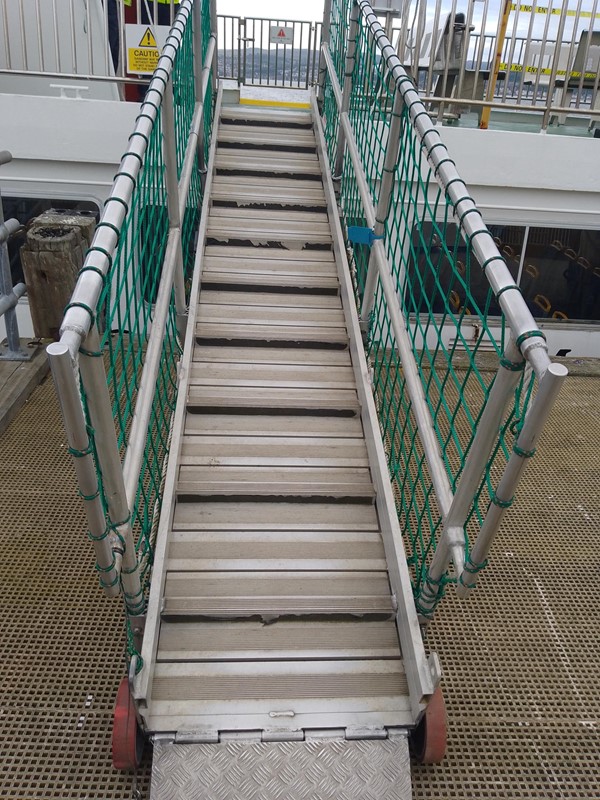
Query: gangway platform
(275, 638)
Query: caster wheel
(428, 740)
(127, 738)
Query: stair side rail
(427, 271)
(115, 366)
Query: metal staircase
(276, 617)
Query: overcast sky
(313, 10)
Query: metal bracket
(283, 735)
(362, 235)
(240, 736)
(138, 624)
(365, 733)
(206, 736)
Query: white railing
(249, 52)
(542, 58)
(397, 184)
(76, 40)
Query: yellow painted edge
(249, 101)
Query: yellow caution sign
(148, 39)
(144, 43)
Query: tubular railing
(116, 364)
(548, 56)
(75, 39)
(429, 281)
(9, 294)
(248, 55)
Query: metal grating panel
(327, 770)
(61, 642)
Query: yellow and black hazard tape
(554, 12)
(560, 73)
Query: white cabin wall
(529, 178)
(63, 148)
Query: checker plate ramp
(326, 769)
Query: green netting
(125, 308)
(452, 317)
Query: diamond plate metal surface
(315, 770)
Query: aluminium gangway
(271, 636)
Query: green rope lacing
(130, 276)
(441, 287)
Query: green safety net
(126, 305)
(453, 319)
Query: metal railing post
(453, 535)
(93, 377)
(385, 194)
(347, 89)
(9, 295)
(198, 77)
(325, 39)
(214, 30)
(523, 450)
(107, 547)
(172, 183)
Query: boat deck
(523, 705)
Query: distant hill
(284, 64)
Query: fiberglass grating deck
(524, 714)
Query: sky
(300, 9)
(313, 10)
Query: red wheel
(127, 738)
(429, 738)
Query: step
(266, 137)
(274, 300)
(273, 216)
(245, 312)
(266, 116)
(277, 451)
(275, 594)
(267, 427)
(274, 516)
(275, 400)
(266, 226)
(237, 159)
(291, 376)
(273, 480)
(259, 551)
(271, 267)
(287, 640)
(222, 354)
(259, 695)
(250, 189)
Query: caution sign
(148, 39)
(144, 43)
(555, 12)
(281, 35)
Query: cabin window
(557, 269)
(560, 277)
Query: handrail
(526, 346)
(155, 193)
(524, 328)
(9, 294)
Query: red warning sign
(281, 35)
